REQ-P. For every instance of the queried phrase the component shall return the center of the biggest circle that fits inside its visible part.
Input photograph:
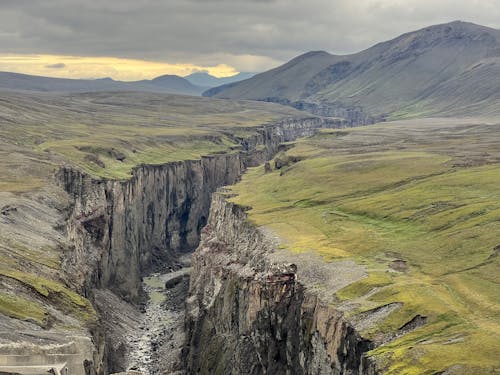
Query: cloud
(247, 34)
(98, 67)
(56, 66)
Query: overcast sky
(132, 39)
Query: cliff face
(353, 114)
(131, 225)
(248, 315)
(122, 229)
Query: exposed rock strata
(248, 315)
(123, 229)
(354, 115)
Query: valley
(102, 223)
(338, 214)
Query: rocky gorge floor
(156, 346)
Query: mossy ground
(22, 308)
(424, 192)
(108, 134)
(37, 270)
(62, 296)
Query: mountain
(204, 79)
(448, 69)
(176, 83)
(163, 84)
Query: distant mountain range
(448, 69)
(204, 79)
(194, 84)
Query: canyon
(196, 262)
(121, 231)
(110, 234)
(263, 228)
(203, 265)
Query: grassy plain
(108, 134)
(417, 203)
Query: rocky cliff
(249, 315)
(120, 229)
(353, 114)
(123, 229)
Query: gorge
(119, 231)
(159, 213)
(338, 214)
(105, 284)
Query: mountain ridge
(204, 79)
(413, 74)
(163, 84)
(193, 84)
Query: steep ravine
(249, 315)
(123, 230)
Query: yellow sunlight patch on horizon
(122, 69)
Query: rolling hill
(447, 69)
(204, 79)
(164, 84)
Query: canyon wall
(353, 115)
(122, 230)
(248, 315)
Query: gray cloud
(56, 66)
(208, 32)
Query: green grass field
(419, 194)
(108, 134)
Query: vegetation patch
(109, 134)
(403, 200)
(69, 301)
(23, 309)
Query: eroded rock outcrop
(121, 230)
(353, 114)
(249, 315)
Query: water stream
(157, 343)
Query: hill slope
(438, 69)
(203, 79)
(163, 84)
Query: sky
(141, 39)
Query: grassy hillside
(447, 69)
(417, 204)
(284, 82)
(107, 134)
